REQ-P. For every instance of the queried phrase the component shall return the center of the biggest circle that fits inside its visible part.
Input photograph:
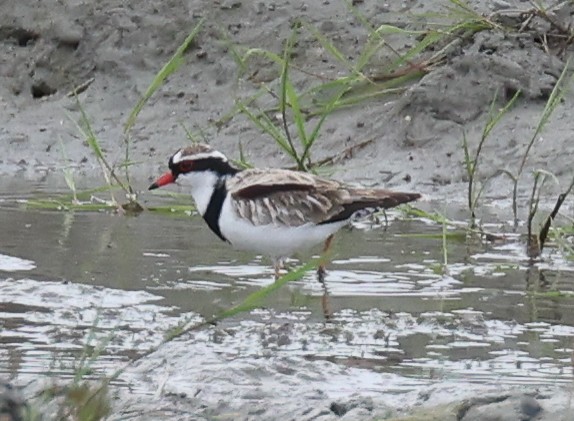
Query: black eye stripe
(209, 164)
(216, 165)
(205, 164)
(186, 166)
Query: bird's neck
(205, 185)
(209, 195)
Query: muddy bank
(49, 48)
(259, 370)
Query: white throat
(202, 185)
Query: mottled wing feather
(255, 182)
(371, 199)
(282, 197)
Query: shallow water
(71, 281)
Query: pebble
(260, 8)
(327, 26)
(530, 406)
(500, 4)
(231, 4)
(69, 34)
(341, 407)
(11, 403)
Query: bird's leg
(321, 269)
(278, 265)
(321, 278)
(325, 304)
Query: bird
(271, 211)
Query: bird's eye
(185, 166)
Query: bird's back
(290, 198)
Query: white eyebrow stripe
(204, 155)
(176, 157)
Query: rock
(340, 408)
(228, 5)
(314, 414)
(357, 414)
(327, 26)
(68, 34)
(260, 8)
(529, 406)
(500, 5)
(503, 408)
(438, 413)
(12, 403)
(19, 139)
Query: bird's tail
(380, 198)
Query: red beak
(167, 178)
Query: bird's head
(191, 163)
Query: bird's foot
(321, 273)
(279, 267)
(325, 302)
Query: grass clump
(555, 98)
(88, 399)
(293, 117)
(475, 189)
(535, 240)
(379, 70)
(109, 171)
(290, 108)
(82, 399)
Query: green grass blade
(264, 123)
(261, 52)
(357, 93)
(554, 99)
(444, 246)
(85, 128)
(469, 166)
(298, 117)
(459, 236)
(252, 301)
(288, 94)
(234, 51)
(430, 38)
(370, 49)
(334, 51)
(289, 97)
(327, 110)
(256, 298)
(68, 173)
(495, 118)
(57, 205)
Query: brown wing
(284, 197)
(293, 198)
(372, 199)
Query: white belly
(271, 240)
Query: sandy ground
(47, 48)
